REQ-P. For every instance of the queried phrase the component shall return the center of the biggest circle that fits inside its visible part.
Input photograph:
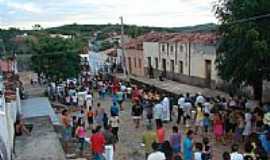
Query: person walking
(81, 133)
(180, 110)
(149, 137)
(66, 121)
(156, 154)
(97, 144)
(188, 146)
(160, 132)
(175, 140)
(114, 123)
(218, 127)
(109, 143)
(136, 112)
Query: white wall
(200, 53)
(150, 49)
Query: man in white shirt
(200, 99)
(89, 100)
(235, 155)
(166, 109)
(158, 111)
(156, 155)
(187, 112)
(181, 102)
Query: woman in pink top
(160, 132)
(81, 133)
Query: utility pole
(122, 48)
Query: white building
(188, 58)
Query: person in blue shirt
(265, 141)
(188, 145)
(114, 109)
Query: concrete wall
(7, 120)
(137, 62)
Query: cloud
(25, 7)
(167, 13)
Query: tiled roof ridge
(165, 37)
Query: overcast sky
(48, 13)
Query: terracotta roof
(204, 38)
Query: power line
(250, 19)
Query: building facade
(187, 58)
(134, 61)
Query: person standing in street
(188, 145)
(157, 112)
(136, 112)
(180, 107)
(160, 132)
(109, 145)
(114, 123)
(81, 133)
(156, 154)
(175, 140)
(66, 121)
(97, 144)
(149, 137)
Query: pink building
(134, 54)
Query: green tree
(57, 58)
(105, 45)
(244, 52)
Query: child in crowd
(199, 118)
(81, 133)
(114, 123)
(90, 117)
(207, 154)
(175, 140)
(206, 123)
(218, 127)
(198, 152)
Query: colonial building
(185, 57)
(134, 53)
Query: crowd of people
(232, 121)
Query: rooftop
(204, 38)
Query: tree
(105, 45)
(57, 58)
(244, 52)
(37, 27)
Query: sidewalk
(173, 87)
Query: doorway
(149, 62)
(208, 68)
(164, 65)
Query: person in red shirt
(98, 144)
(160, 132)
